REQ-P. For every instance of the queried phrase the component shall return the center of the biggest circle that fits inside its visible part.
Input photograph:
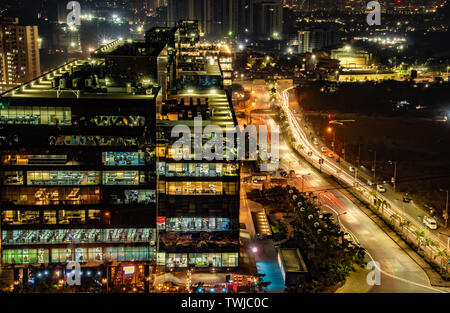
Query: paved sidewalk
(356, 282)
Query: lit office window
(61, 255)
(24, 256)
(11, 178)
(230, 259)
(71, 217)
(123, 158)
(121, 178)
(35, 115)
(14, 159)
(50, 196)
(95, 254)
(176, 260)
(63, 178)
(194, 188)
(49, 217)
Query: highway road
(314, 154)
(399, 273)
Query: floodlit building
(353, 59)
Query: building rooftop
(218, 105)
(292, 260)
(44, 87)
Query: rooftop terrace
(87, 87)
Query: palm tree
(419, 235)
(428, 242)
(407, 224)
(384, 204)
(394, 217)
(387, 205)
(442, 254)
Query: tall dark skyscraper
(217, 18)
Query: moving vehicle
(430, 222)
(380, 188)
(351, 169)
(406, 198)
(323, 149)
(347, 237)
(330, 155)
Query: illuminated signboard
(128, 270)
(161, 222)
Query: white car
(380, 188)
(323, 149)
(351, 169)
(330, 155)
(430, 222)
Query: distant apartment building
(217, 18)
(315, 39)
(19, 53)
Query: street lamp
(446, 207)
(330, 130)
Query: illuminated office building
(78, 170)
(198, 200)
(88, 173)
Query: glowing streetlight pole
(446, 207)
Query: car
(330, 155)
(429, 222)
(406, 199)
(323, 149)
(370, 182)
(351, 169)
(328, 215)
(380, 188)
